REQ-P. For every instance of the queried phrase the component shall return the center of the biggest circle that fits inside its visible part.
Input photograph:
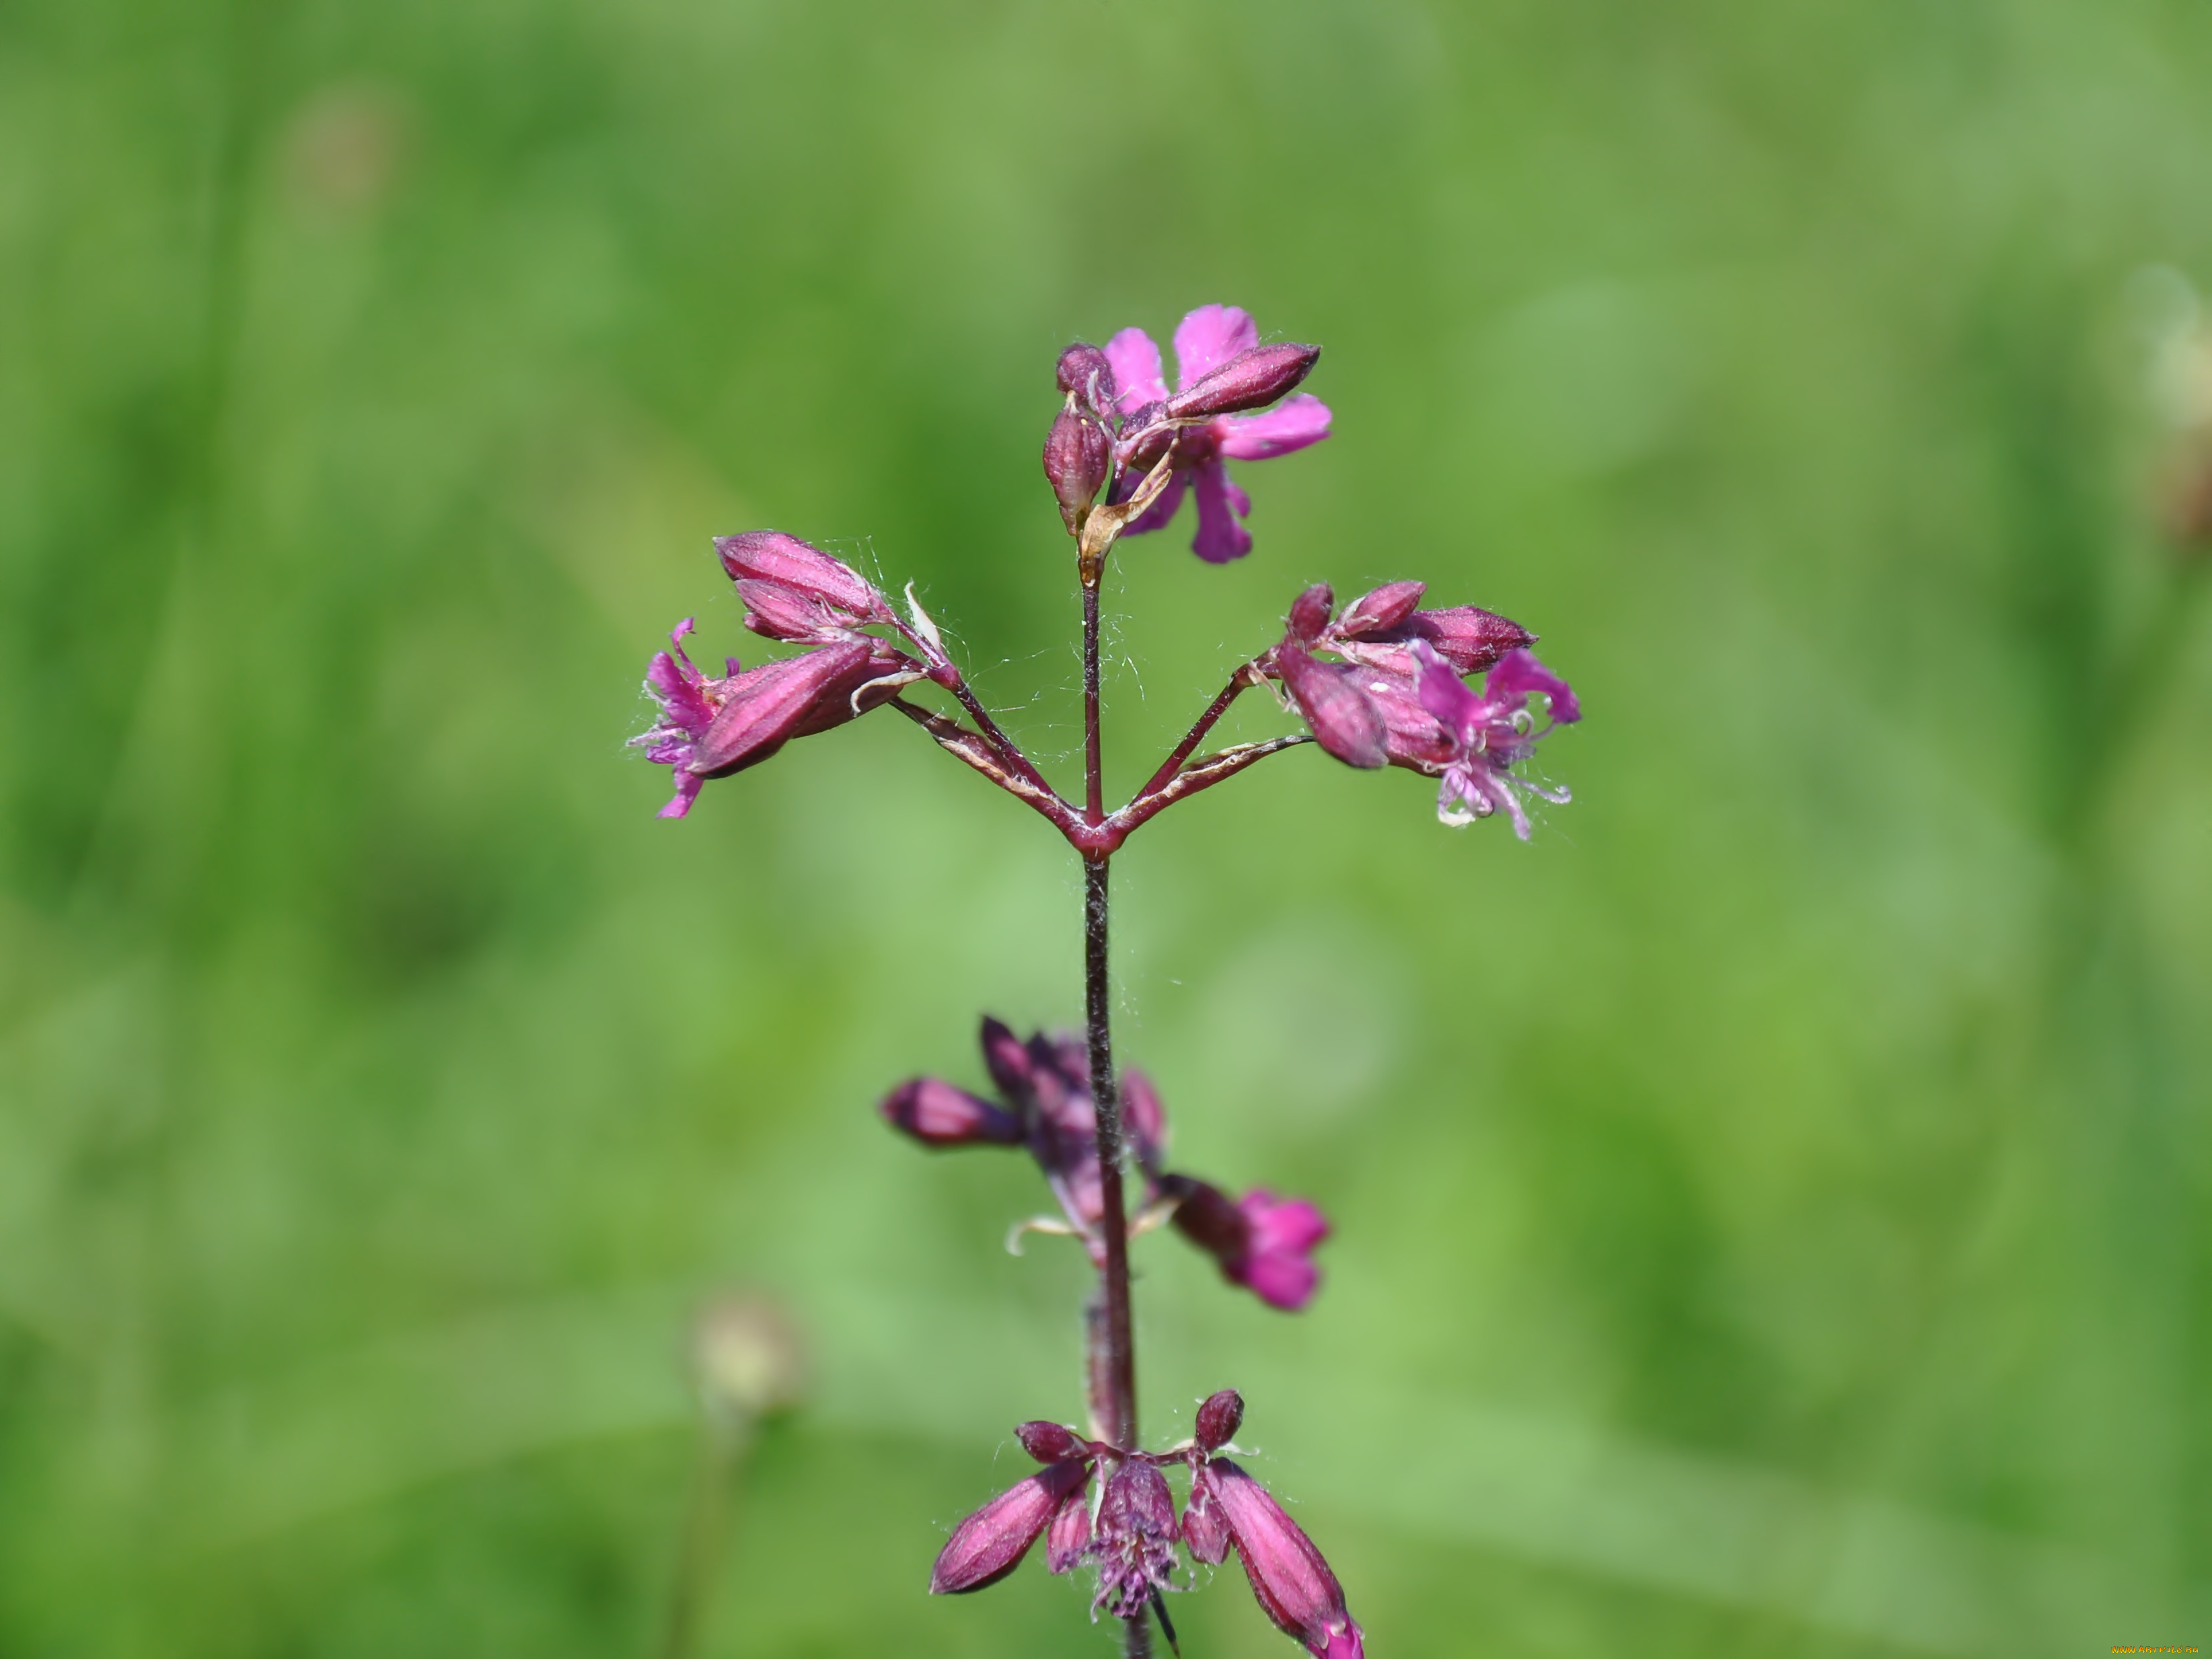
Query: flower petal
(1518, 675)
(1207, 338)
(687, 790)
(1283, 1224)
(1220, 536)
(1301, 421)
(1445, 694)
(1136, 360)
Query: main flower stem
(1111, 1360)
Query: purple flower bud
(812, 577)
(1292, 1582)
(1144, 1120)
(1342, 717)
(763, 707)
(1086, 374)
(1309, 612)
(938, 1114)
(1008, 1061)
(1078, 456)
(1218, 1420)
(1251, 379)
(1069, 1534)
(1051, 1443)
(1382, 609)
(1204, 1534)
(1469, 639)
(1134, 1542)
(990, 1543)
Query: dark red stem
(1239, 682)
(1110, 1344)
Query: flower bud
(1470, 639)
(766, 707)
(1343, 718)
(1050, 1442)
(1204, 1534)
(1069, 1533)
(1379, 612)
(1291, 1580)
(1251, 379)
(784, 613)
(771, 555)
(1009, 1061)
(1086, 374)
(1077, 457)
(938, 1114)
(990, 1543)
(1218, 1420)
(1309, 612)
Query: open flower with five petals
(1222, 373)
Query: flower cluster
(709, 728)
(1261, 1242)
(1131, 1535)
(1399, 695)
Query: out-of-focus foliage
(1772, 1207)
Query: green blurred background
(1771, 1206)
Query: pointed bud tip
(1251, 379)
(1310, 612)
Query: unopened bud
(1251, 379)
(1382, 609)
(746, 1357)
(938, 1114)
(1218, 1420)
(1084, 373)
(1343, 719)
(1310, 613)
(1077, 457)
(772, 556)
(766, 707)
(1290, 1580)
(1012, 1066)
(1049, 1443)
(1470, 639)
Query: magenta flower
(1397, 696)
(709, 728)
(1220, 366)
(1262, 1242)
(1492, 731)
(1133, 1540)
